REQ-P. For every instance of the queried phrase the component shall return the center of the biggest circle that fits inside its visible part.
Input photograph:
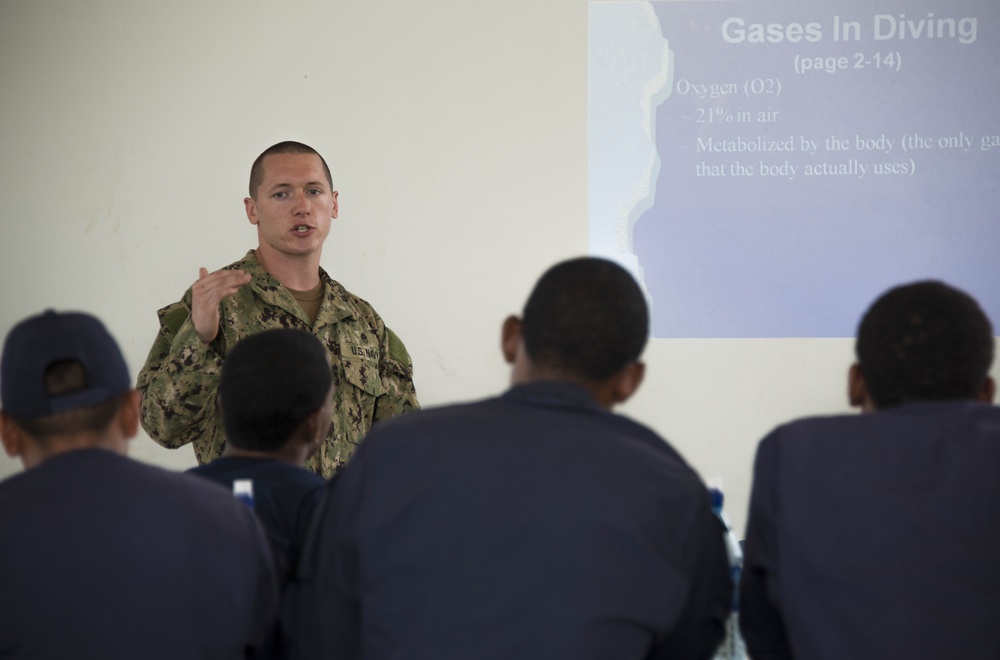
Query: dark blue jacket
(876, 536)
(105, 557)
(535, 525)
(284, 496)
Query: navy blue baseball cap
(39, 341)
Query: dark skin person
(859, 397)
(615, 389)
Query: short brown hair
(287, 147)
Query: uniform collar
(935, 407)
(553, 394)
(335, 305)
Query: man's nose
(300, 205)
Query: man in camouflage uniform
(278, 285)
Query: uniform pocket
(360, 360)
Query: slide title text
(884, 27)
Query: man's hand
(207, 293)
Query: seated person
(537, 524)
(875, 536)
(275, 395)
(101, 556)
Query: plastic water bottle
(732, 647)
(243, 490)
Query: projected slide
(767, 168)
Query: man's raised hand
(207, 293)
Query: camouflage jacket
(372, 372)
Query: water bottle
(243, 490)
(732, 647)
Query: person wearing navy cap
(102, 556)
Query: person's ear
(315, 427)
(251, 207)
(314, 424)
(627, 382)
(510, 338)
(857, 389)
(336, 206)
(11, 435)
(988, 391)
(128, 415)
(19, 444)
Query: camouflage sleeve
(398, 393)
(179, 382)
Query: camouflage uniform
(372, 372)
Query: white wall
(457, 136)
